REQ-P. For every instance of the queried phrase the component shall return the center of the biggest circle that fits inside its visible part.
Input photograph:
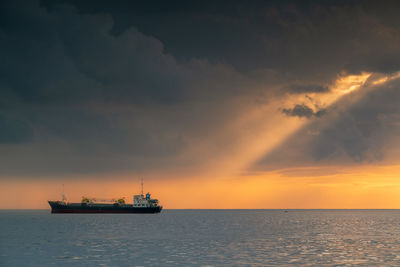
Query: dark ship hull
(60, 207)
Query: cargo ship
(141, 204)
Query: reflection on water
(201, 238)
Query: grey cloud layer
(87, 88)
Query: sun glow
(304, 187)
(385, 79)
(350, 83)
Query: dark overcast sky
(96, 86)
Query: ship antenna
(142, 186)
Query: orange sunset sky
(283, 106)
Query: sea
(201, 238)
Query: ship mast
(63, 195)
(141, 192)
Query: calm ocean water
(201, 238)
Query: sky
(215, 104)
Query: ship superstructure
(141, 204)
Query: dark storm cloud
(14, 131)
(363, 132)
(95, 86)
(285, 35)
(68, 57)
(301, 110)
(84, 100)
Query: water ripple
(201, 238)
